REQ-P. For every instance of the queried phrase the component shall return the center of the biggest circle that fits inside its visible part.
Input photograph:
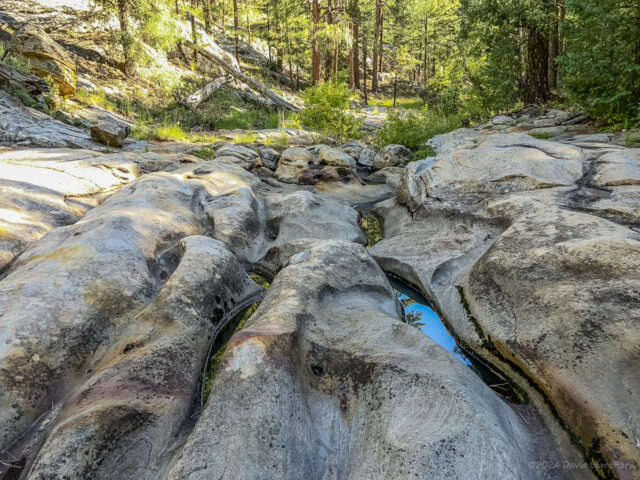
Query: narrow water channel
(221, 340)
(420, 314)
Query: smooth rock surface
(41, 189)
(516, 242)
(24, 126)
(326, 382)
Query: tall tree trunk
(380, 49)
(376, 35)
(561, 15)
(224, 9)
(289, 54)
(356, 62)
(123, 19)
(269, 33)
(554, 47)
(248, 23)
(364, 62)
(395, 88)
(328, 61)
(315, 55)
(351, 50)
(426, 51)
(235, 29)
(194, 37)
(536, 83)
(206, 12)
(636, 81)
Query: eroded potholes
(420, 313)
(223, 335)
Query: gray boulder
(269, 157)
(110, 133)
(367, 158)
(41, 189)
(25, 127)
(392, 156)
(246, 157)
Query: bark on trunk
(554, 48)
(235, 29)
(376, 34)
(426, 50)
(315, 55)
(364, 63)
(380, 49)
(123, 19)
(356, 57)
(536, 85)
(206, 12)
(351, 65)
(328, 61)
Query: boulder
(392, 156)
(269, 157)
(367, 158)
(46, 58)
(617, 168)
(246, 157)
(25, 127)
(110, 133)
(353, 149)
(314, 165)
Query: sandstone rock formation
(24, 126)
(42, 189)
(530, 248)
(46, 57)
(110, 133)
(110, 305)
(391, 156)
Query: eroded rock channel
(136, 343)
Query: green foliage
(632, 139)
(413, 128)
(206, 153)
(326, 111)
(150, 22)
(602, 63)
(166, 132)
(372, 227)
(413, 103)
(15, 61)
(540, 136)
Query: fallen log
(211, 54)
(256, 100)
(31, 84)
(204, 93)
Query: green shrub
(326, 111)
(412, 128)
(540, 136)
(160, 132)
